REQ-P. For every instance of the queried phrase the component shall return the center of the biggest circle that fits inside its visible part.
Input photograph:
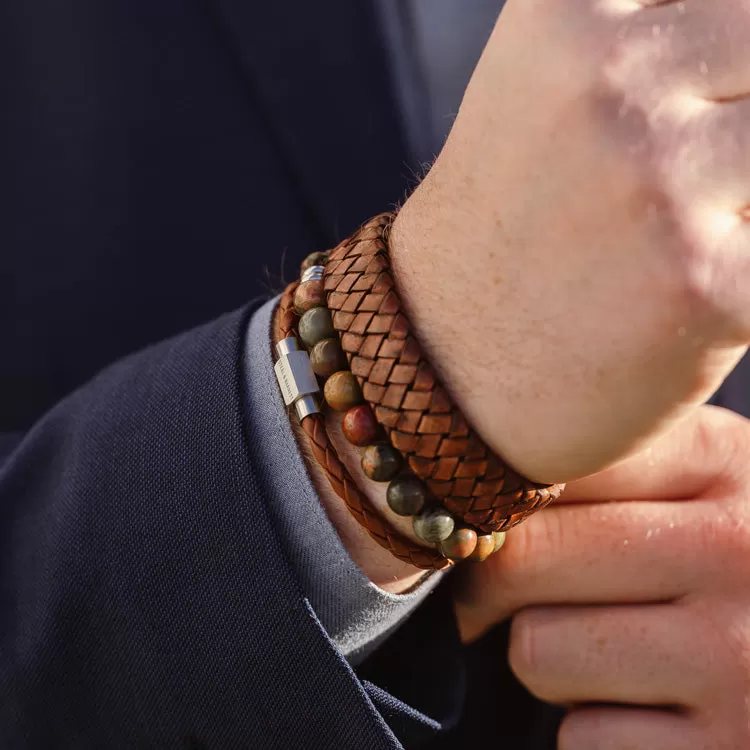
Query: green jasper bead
(308, 296)
(460, 544)
(342, 391)
(314, 259)
(381, 463)
(485, 547)
(406, 496)
(499, 538)
(327, 358)
(434, 525)
(316, 325)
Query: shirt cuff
(356, 613)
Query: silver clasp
(296, 378)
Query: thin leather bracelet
(398, 382)
(285, 325)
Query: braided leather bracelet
(458, 468)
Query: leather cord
(285, 325)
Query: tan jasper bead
(485, 547)
(342, 391)
(308, 296)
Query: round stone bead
(460, 545)
(433, 525)
(359, 426)
(406, 496)
(316, 325)
(342, 391)
(485, 547)
(327, 357)
(499, 538)
(381, 463)
(314, 259)
(308, 296)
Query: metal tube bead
(287, 346)
(314, 273)
(294, 372)
(306, 406)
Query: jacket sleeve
(146, 598)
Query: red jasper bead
(359, 425)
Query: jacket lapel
(319, 71)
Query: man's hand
(633, 596)
(576, 262)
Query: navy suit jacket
(161, 163)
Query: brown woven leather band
(416, 411)
(285, 325)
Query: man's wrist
(441, 259)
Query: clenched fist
(576, 262)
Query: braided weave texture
(341, 482)
(415, 410)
